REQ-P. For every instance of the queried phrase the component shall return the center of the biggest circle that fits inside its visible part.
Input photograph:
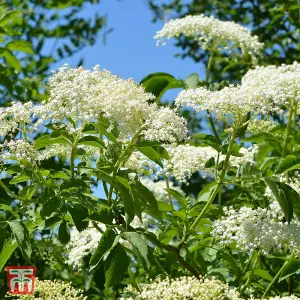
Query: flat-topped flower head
(263, 90)
(212, 33)
(85, 96)
(183, 288)
(262, 228)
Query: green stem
(210, 119)
(168, 190)
(97, 227)
(134, 283)
(215, 191)
(119, 161)
(287, 132)
(9, 192)
(274, 279)
(73, 153)
(251, 274)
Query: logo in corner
(20, 279)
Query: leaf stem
(249, 279)
(119, 161)
(274, 279)
(287, 131)
(131, 275)
(9, 192)
(216, 190)
(73, 153)
(168, 190)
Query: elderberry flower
(83, 243)
(212, 33)
(158, 188)
(281, 84)
(252, 229)
(53, 289)
(85, 96)
(258, 126)
(263, 90)
(182, 288)
(184, 161)
(14, 115)
(19, 150)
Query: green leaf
(205, 193)
(128, 204)
(50, 206)
(140, 248)
(21, 234)
(144, 194)
(19, 178)
(105, 244)
(115, 266)
(285, 203)
(19, 45)
(64, 232)
(11, 60)
(191, 82)
(92, 141)
(7, 250)
(208, 140)
(103, 214)
(290, 162)
(292, 196)
(46, 140)
(290, 268)
(151, 154)
(59, 175)
(233, 263)
(158, 83)
(79, 213)
(265, 137)
(263, 274)
(5, 81)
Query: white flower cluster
(83, 243)
(258, 126)
(49, 290)
(281, 84)
(158, 188)
(182, 288)
(85, 95)
(212, 33)
(252, 229)
(263, 90)
(184, 161)
(20, 150)
(249, 156)
(11, 117)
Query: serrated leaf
(191, 82)
(46, 140)
(151, 154)
(19, 178)
(128, 204)
(92, 141)
(19, 45)
(103, 214)
(205, 193)
(105, 244)
(263, 274)
(290, 162)
(60, 175)
(115, 266)
(50, 206)
(285, 203)
(79, 213)
(7, 250)
(21, 234)
(140, 248)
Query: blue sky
(130, 50)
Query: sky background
(130, 50)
